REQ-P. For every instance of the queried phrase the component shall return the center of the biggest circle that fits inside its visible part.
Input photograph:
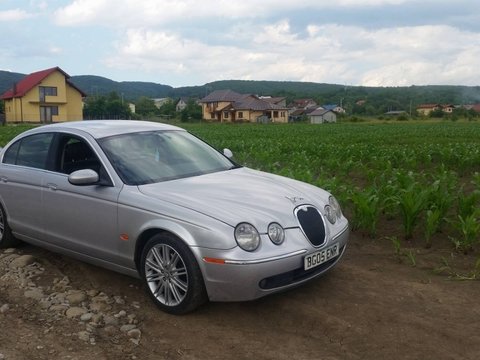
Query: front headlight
(276, 233)
(333, 210)
(335, 206)
(247, 237)
(330, 214)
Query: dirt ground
(372, 306)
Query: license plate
(319, 257)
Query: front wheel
(172, 275)
(7, 239)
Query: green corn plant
(366, 207)
(432, 219)
(411, 202)
(467, 203)
(468, 228)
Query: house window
(275, 114)
(47, 91)
(282, 114)
(240, 114)
(212, 115)
(225, 114)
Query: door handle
(52, 186)
(4, 179)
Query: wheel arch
(179, 233)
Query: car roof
(103, 128)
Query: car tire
(171, 275)
(7, 240)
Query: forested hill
(378, 98)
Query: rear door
(23, 167)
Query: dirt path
(370, 307)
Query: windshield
(155, 156)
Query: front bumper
(242, 279)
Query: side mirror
(228, 153)
(83, 177)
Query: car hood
(240, 195)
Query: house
(181, 104)
(448, 108)
(426, 109)
(229, 106)
(158, 102)
(393, 113)
(45, 96)
(281, 101)
(335, 108)
(320, 116)
(476, 108)
(303, 104)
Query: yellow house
(229, 106)
(43, 97)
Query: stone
(22, 261)
(134, 334)
(74, 312)
(92, 293)
(122, 313)
(119, 300)
(76, 297)
(9, 251)
(36, 294)
(97, 318)
(97, 306)
(110, 329)
(4, 308)
(58, 308)
(127, 328)
(110, 320)
(84, 335)
(86, 317)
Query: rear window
(31, 151)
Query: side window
(31, 151)
(76, 154)
(10, 156)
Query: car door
(23, 166)
(82, 219)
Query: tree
(168, 108)
(106, 107)
(437, 113)
(145, 106)
(192, 111)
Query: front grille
(294, 276)
(311, 223)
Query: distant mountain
(375, 100)
(7, 79)
(132, 90)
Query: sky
(187, 42)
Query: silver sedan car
(153, 201)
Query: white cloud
(134, 13)
(327, 53)
(14, 15)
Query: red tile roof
(32, 80)
(428, 106)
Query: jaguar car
(153, 201)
